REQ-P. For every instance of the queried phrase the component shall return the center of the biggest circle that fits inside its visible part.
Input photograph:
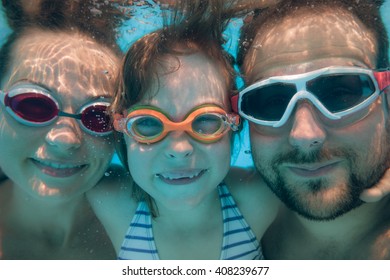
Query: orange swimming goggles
(147, 124)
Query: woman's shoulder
(3, 177)
(113, 193)
(116, 182)
(6, 187)
(113, 203)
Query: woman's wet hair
(194, 26)
(96, 19)
(367, 11)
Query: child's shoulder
(253, 197)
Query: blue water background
(147, 18)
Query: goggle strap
(6, 99)
(233, 121)
(69, 115)
(383, 79)
(234, 103)
(119, 122)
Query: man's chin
(330, 215)
(320, 200)
(319, 208)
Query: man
(319, 125)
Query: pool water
(147, 18)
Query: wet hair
(96, 19)
(194, 26)
(367, 11)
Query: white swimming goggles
(335, 91)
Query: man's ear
(387, 93)
(387, 100)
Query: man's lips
(57, 169)
(181, 177)
(313, 170)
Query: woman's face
(59, 160)
(180, 172)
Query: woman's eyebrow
(54, 90)
(28, 81)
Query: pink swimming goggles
(33, 105)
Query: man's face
(316, 166)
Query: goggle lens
(341, 92)
(147, 127)
(268, 102)
(96, 119)
(33, 107)
(208, 124)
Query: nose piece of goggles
(148, 125)
(335, 91)
(34, 106)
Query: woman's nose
(65, 134)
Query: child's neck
(189, 215)
(194, 233)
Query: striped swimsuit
(239, 242)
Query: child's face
(180, 172)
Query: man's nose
(307, 132)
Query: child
(173, 109)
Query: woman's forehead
(62, 63)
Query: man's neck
(351, 236)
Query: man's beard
(322, 199)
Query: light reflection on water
(146, 19)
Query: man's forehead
(303, 39)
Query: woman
(55, 135)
